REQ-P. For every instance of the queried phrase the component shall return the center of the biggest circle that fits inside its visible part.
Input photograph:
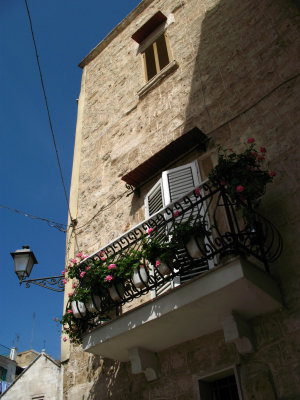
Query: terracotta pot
(196, 246)
(137, 281)
(78, 309)
(116, 291)
(94, 304)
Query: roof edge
(118, 29)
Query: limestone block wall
(237, 77)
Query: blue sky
(65, 32)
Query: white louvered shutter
(179, 181)
(175, 183)
(154, 200)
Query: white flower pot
(78, 309)
(94, 304)
(192, 247)
(163, 268)
(137, 281)
(116, 294)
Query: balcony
(225, 286)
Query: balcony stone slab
(191, 310)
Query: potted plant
(191, 234)
(160, 254)
(244, 175)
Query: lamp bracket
(54, 283)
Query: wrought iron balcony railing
(232, 229)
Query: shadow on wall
(243, 86)
(247, 51)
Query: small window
(156, 56)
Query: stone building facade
(40, 380)
(227, 70)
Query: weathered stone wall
(238, 77)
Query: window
(222, 386)
(156, 56)
(173, 185)
(154, 46)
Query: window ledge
(172, 66)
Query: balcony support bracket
(238, 331)
(145, 361)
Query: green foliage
(243, 175)
(154, 250)
(182, 231)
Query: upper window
(154, 45)
(156, 56)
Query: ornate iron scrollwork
(54, 283)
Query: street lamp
(24, 260)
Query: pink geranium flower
(112, 266)
(74, 286)
(64, 281)
(79, 255)
(88, 268)
(254, 153)
(109, 278)
(197, 191)
(150, 230)
(272, 173)
(63, 272)
(260, 158)
(240, 188)
(176, 214)
(70, 311)
(82, 274)
(102, 258)
(70, 294)
(250, 140)
(73, 260)
(157, 264)
(263, 150)
(64, 339)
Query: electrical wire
(101, 210)
(49, 117)
(52, 224)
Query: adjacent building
(171, 82)
(40, 380)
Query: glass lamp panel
(21, 261)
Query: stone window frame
(231, 370)
(149, 41)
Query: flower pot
(94, 304)
(116, 291)
(78, 309)
(163, 268)
(136, 277)
(195, 246)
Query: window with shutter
(173, 185)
